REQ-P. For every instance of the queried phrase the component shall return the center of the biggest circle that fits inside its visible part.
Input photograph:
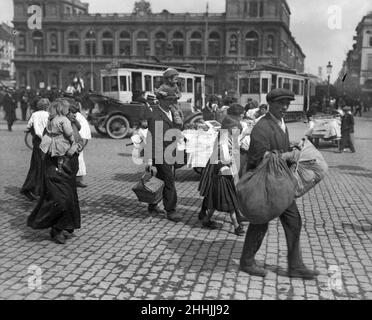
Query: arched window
(178, 44)
(53, 43)
(73, 44)
(54, 80)
(21, 42)
(160, 44)
(90, 43)
(270, 43)
(142, 44)
(38, 78)
(251, 44)
(196, 43)
(214, 45)
(38, 41)
(107, 44)
(125, 44)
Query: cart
(326, 128)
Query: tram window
(181, 84)
(114, 84)
(189, 86)
(244, 85)
(106, 84)
(280, 83)
(158, 81)
(148, 84)
(265, 85)
(296, 86)
(301, 88)
(254, 85)
(123, 83)
(274, 79)
(287, 84)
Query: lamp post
(329, 72)
(91, 33)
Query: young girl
(58, 141)
(217, 184)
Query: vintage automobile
(324, 127)
(116, 119)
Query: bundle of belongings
(310, 168)
(269, 190)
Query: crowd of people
(61, 133)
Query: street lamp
(329, 72)
(91, 33)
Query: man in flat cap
(269, 134)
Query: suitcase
(149, 189)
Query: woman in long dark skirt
(37, 123)
(217, 184)
(58, 207)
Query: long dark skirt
(219, 191)
(35, 173)
(59, 204)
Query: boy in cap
(169, 93)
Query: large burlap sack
(267, 192)
(310, 168)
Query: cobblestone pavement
(123, 253)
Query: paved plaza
(123, 253)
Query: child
(59, 140)
(169, 93)
(217, 184)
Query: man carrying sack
(271, 134)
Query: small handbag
(149, 189)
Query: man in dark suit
(347, 131)
(160, 121)
(271, 134)
(9, 104)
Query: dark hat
(230, 122)
(280, 94)
(235, 109)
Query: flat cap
(280, 94)
(170, 72)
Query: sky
(309, 23)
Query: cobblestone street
(123, 253)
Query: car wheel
(195, 119)
(101, 130)
(117, 126)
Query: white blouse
(38, 121)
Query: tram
(121, 81)
(257, 83)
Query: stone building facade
(7, 49)
(74, 42)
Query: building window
(178, 44)
(270, 43)
(90, 43)
(68, 10)
(196, 44)
(251, 44)
(261, 9)
(271, 8)
(22, 42)
(160, 44)
(142, 44)
(107, 44)
(125, 44)
(73, 44)
(369, 66)
(214, 45)
(53, 43)
(253, 9)
(370, 41)
(38, 41)
(233, 43)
